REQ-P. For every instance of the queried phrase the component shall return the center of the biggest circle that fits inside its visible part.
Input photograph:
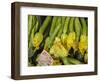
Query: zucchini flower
(64, 40)
(37, 40)
(58, 50)
(71, 36)
(83, 44)
(39, 36)
(70, 40)
(64, 34)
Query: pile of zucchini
(64, 38)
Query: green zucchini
(73, 60)
(45, 24)
(77, 28)
(84, 25)
(53, 25)
(65, 30)
(71, 24)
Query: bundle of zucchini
(64, 38)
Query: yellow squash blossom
(64, 40)
(70, 40)
(37, 40)
(83, 44)
(58, 49)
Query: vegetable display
(63, 38)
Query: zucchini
(77, 28)
(73, 60)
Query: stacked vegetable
(64, 38)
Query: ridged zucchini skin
(65, 29)
(71, 25)
(78, 28)
(53, 25)
(84, 26)
(45, 24)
